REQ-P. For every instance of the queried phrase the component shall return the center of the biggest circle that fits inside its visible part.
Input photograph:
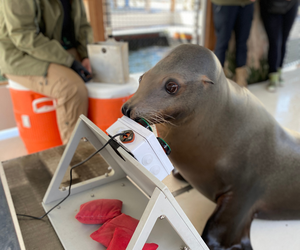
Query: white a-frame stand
(144, 197)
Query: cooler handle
(45, 108)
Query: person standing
(43, 46)
(278, 17)
(237, 15)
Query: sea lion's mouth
(144, 123)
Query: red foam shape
(121, 239)
(105, 233)
(99, 211)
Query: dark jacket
(231, 2)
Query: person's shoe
(280, 80)
(273, 82)
(241, 75)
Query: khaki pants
(67, 87)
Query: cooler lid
(17, 86)
(112, 90)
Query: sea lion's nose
(126, 110)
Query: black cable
(75, 166)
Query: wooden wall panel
(210, 38)
(95, 10)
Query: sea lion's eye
(140, 79)
(171, 87)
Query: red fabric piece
(105, 233)
(121, 239)
(99, 211)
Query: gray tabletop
(8, 236)
(28, 178)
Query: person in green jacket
(43, 47)
(234, 15)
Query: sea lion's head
(177, 86)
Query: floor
(285, 107)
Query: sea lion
(223, 141)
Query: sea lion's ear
(206, 80)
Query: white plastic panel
(145, 147)
(139, 196)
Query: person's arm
(85, 33)
(20, 19)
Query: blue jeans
(278, 27)
(227, 19)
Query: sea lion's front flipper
(228, 228)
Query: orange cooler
(106, 100)
(36, 118)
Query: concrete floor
(284, 105)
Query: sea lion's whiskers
(158, 118)
(151, 117)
